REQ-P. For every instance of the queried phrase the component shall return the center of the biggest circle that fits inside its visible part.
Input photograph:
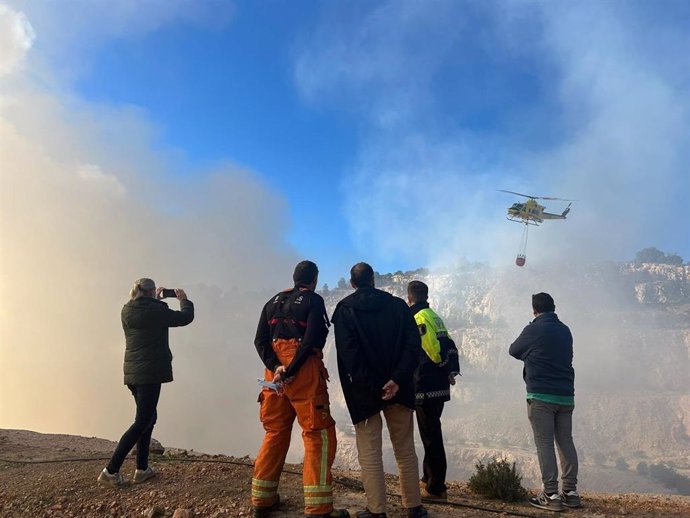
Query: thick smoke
(574, 102)
(88, 203)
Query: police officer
(437, 370)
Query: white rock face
(631, 329)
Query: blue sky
(386, 126)
(229, 94)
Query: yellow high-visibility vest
(431, 327)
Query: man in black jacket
(546, 347)
(378, 347)
(437, 370)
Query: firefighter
(290, 338)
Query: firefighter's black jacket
(311, 324)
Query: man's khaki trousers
(401, 431)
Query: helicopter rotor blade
(534, 197)
(518, 193)
(551, 198)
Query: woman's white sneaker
(142, 475)
(108, 480)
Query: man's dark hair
(543, 303)
(362, 275)
(417, 291)
(305, 273)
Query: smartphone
(168, 294)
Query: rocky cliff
(631, 326)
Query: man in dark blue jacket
(546, 347)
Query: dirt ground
(220, 486)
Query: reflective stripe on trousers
(306, 398)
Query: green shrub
(498, 479)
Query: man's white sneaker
(142, 475)
(108, 480)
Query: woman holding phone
(148, 364)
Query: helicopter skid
(523, 221)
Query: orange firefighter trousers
(306, 398)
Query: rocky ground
(192, 485)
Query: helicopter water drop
(531, 213)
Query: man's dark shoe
(265, 512)
(571, 499)
(368, 514)
(335, 513)
(417, 512)
(432, 497)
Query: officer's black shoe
(368, 514)
(264, 512)
(335, 513)
(417, 512)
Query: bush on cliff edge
(498, 479)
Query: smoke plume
(89, 202)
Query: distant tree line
(387, 278)
(380, 279)
(654, 255)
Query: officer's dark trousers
(434, 466)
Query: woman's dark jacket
(147, 354)
(377, 340)
(546, 347)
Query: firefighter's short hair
(305, 273)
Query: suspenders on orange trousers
(306, 398)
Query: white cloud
(72, 31)
(16, 38)
(381, 62)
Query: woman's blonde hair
(140, 288)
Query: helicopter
(531, 213)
